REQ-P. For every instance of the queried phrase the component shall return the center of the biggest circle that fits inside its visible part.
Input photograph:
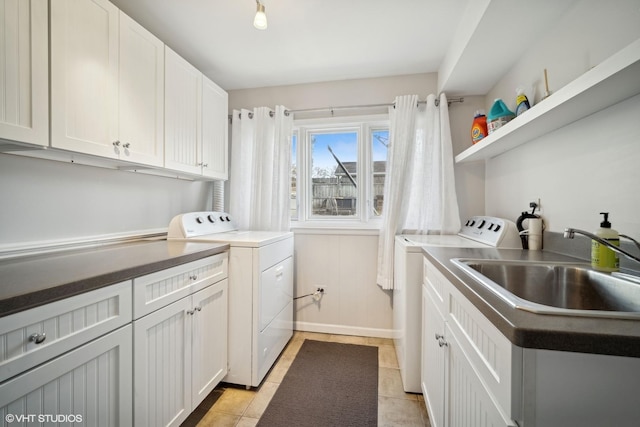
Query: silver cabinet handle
(205, 165)
(193, 311)
(193, 277)
(116, 143)
(38, 338)
(126, 145)
(441, 340)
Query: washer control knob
(211, 218)
(228, 219)
(221, 218)
(497, 227)
(482, 223)
(199, 220)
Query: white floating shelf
(606, 84)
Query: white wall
(587, 167)
(344, 265)
(345, 262)
(50, 201)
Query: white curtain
(419, 193)
(260, 165)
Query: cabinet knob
(126, 145)
(38, 338)
(190, 312)
(439, 337)
(116, 143)
(442, 343)
(205, 165)
(198, 308)
(193, 277)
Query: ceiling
(306, 40)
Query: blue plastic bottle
(498, 116)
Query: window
(338, 169)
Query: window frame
(364, 126)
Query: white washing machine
(260, 290)
(479, 231)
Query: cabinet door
(141, 94)
(209, 339)
(215, 130)
(24, 73)
(90, 385)
(468, 401)
(84, 76)
(433, 360)
(183, 99)
(162, 366)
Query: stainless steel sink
(556, 288)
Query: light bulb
(260, 21)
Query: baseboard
(343, 330)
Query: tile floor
(242, 408)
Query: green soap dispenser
(603, 258)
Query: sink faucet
(570, 232)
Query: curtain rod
(351, 107)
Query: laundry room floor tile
(239, 407)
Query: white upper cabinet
(215, 130)
(106, 83)
(196, 123)
(84, 76)
(24, 71)
(141, 94)
(183, 97)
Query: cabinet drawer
(161, 288)
(490, 353)
(66, 324)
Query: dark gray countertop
(30, 281)
(600, 335)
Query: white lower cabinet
(433, 359)
(466, 362)
(89, 386)
(472, 375)
(180, 354)
(469, 402)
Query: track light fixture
(260, 20)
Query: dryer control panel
(492, 231)
(194, 224)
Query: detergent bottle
(479, 126)
(499, 115)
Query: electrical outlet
(535, 200)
